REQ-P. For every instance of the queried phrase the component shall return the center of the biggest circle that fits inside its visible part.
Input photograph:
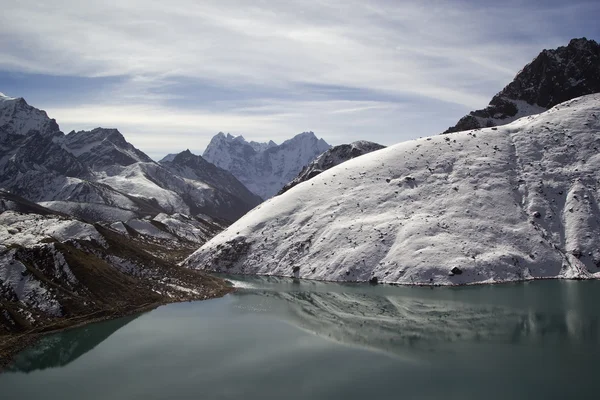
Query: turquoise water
(285, 339)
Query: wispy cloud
(180, 64)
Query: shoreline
(12, 344)
(398, 284)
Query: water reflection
(65, 347)
(441, 319)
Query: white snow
(134, 181)
(509, 203)
(15, 279)
(19, 118)
(264, 168)
(30, 229)
(524, 109)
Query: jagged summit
(98, 175)
(266, 167)
(19, 118)
(102, 147)
(554, 76)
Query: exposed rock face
(226, 188)
(54, 267)
(103, 147)
(332, 157)
(553, 77)
(264, 168)
(516, 202)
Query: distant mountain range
(553, 77)
(99, 176)
(264, 168)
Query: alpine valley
(92, 228)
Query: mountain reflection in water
(393, 319)
(60, 349)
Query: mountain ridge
(552, 77)
(264, 168)
(467, 207)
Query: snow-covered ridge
(264, 168)
(19, 118)
(501, 204)
(332, 157)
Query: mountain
(55, 269)
(332, 157)
(100, 148)
(196, 170)
(511, 203)
(98, 176)
(553, 77)
(264, 168)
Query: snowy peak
(103, 147)
(554, 76)
(230, 197)
(19, 118)
(264, 168)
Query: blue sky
(170, 75)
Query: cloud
(182, 62)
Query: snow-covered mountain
(332, 157)
(98, 176)
(510, 203)
(264, 168)
(100, 148)
(54, 266)
(553, 77)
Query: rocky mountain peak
(554, 76)
(19, 118)
(264, 167)
(103, 147)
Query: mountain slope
(553, 77)
(102, 147)
(332, 157)
(56, 269)
(501, 204)
(195, 168)
(264, 168)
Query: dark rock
(456, 271)
(553, 77)
(332, 157)
(374, 280)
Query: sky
(171, 74)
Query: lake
(284, 339)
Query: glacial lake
(284, 339)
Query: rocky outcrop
(332, 157)
(553, 77)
